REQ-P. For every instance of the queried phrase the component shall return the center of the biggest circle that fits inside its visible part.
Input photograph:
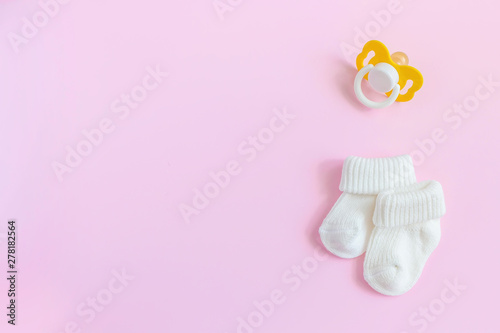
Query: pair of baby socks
(385, 212)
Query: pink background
(119, 209)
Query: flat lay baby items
(386, 74)
(386, 213)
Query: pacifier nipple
(400, 58)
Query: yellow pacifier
(386, 74)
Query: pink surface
(117, 210)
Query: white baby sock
(406, 232)
(346, 229)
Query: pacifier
(386, 74)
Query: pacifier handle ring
(363, 99)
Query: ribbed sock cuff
(411, 204)
(373, 175)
